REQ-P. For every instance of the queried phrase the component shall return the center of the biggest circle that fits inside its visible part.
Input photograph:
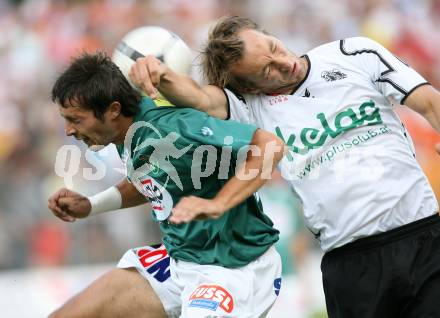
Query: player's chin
(96, 148)
(92, 145)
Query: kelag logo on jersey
(211, 297)
(311, 138)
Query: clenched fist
(69, 205)
(147, 73)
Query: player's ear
(114, 110)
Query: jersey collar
(305, 77)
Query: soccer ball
(153, 40)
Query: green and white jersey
(172, 152)
(351, 160)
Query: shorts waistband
(387, 237)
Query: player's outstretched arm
(150, 74)
(426, 101)
(69, 205)
(270, 151)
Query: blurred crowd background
(37, 39)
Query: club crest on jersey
(211, 297)
(154, 167)
(333, 75)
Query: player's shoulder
(346, 46)
(180, 118)
(165, 118)
(358, 45)
(246, 99)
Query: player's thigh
(426, 278)
(119, 293)
(425, 303)
(361, 285)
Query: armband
(105, 201)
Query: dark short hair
(94, 81)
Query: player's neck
(122, 129)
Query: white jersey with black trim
(351, 161)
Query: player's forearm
(426, 101)
(123, 195)
(433, 115)
(431, 106)
(254, 173)
(181, 90)
(130, 195)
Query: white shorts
(190, 290)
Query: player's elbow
(214, 102)
(270, 145)
(280, 149)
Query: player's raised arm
(150, 74)
(265, 152)
(395, 79)
(69, 205)
(426, 101)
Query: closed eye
(273, 49)
(272, 45)
(267, 71)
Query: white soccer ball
(153, 40)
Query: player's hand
(69, 205)
(195, 208)
(437, 148)
(147, 73)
